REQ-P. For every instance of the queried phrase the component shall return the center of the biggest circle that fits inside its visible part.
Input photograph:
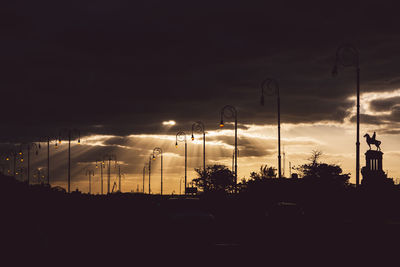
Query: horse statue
(373, 141)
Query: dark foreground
(124, 229)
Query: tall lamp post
(109, 158)
(181, 137)
(49, 140)
(144, 175)
(14, 154)
(271, 87)
(229, 112)
(150, 173)
(90, 173)
(199, 127)
(158, 151)
(342, 58)
(29, 147)
(70, 134)
(102, 166)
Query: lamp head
(59, 140)
(154, 158)
(176, 144)
(7, 158)
(22, 160)
(221, 124)
(192, 137)
(79, 141)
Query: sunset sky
(122, 71)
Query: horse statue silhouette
(373, 141)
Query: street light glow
(170, 123)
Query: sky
(122, 71)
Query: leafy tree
(216, 178)
(265, 172)
(323, 172)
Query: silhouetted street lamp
(158, 151)
(342, 58)
(109, 158)
(70, 134)
(181, 137)
(230, 112)
(49, 140)
(120, 174)
(233, 159)
(144, 174)
(199, 127)
(150, 173)
(102, 166)
(29, 147)
(90, 173)
(14, 154)
(271, 87)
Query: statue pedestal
(372, 171)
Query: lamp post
(69, 134)
(144, 174)
(233, 158)
(271, 87)
(109, 158)
(158, 151)
(90, 173)
(181, 137)
(341, 53)
(149, 174)
(49, 140)
(199, 127)
(14, 154)
(102, 166)
(119, 177)
(230, 112)
(29, 147)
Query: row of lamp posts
(268, 86)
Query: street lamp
(233, 158)
(29, 147)
(69, 134)
(230, 112)
(90, 173)
(181, 137)
(347, 56)
(109, 158)
(271, 87)
(144, 174)
(49, 140)
(14, 155)
(100, 164)
(158, 151)
(119, 177)
(199, 127)
(150, 158)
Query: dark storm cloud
(122, 67)
(384, 104)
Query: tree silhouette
(216, 178)
(323, 172)
(265, 172)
